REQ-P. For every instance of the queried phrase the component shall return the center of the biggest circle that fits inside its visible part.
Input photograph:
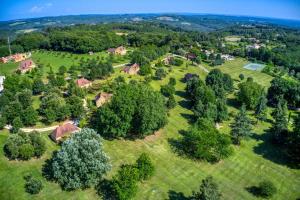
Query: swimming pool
(254, 66)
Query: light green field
(235, 67)
(8, 68)
(250, 163)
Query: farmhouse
(18, 57)
(102, 98)
(117, 51)
(227, 57)
(4, 60)
(63, 130)
(132, 70)
(26, 65)
(83, 83)
(2, 78)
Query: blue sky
(17, 9)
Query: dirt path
(121, 65)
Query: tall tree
(280, 125)
(81, 162)
(261, 108)
(241, 127)
(209, 190)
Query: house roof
(26, 64)
(82, 82)
(103, 95)
(63, 130)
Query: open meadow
(176, 176)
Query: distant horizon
(277, 9)
(158, 13)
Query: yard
(175, 176)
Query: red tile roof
(63, 130)
(82, 82)
(26, 64)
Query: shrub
(266, 189)
(24, 146)
(209, 190)
(145, 167)
(33, 185)
(242, 77)
(203, 141)
(124, 184)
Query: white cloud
(36, 9)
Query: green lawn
(174, 174)
(8, 68)
(235, 68)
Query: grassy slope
(173, 173)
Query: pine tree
(261, 108)
(209, 190)
(241, 127)
(280, 124)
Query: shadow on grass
(173, 195)
(271, 151)
(233, 102)
(105, 190)
(181, 93)
(47, 171)
(189, 117)
(253, 190)
(176, 146)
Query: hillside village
(151, 112)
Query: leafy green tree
(216, 80)
(26, 151)
(266, 189)
(38, 86)
(241, 127)
(209, 190)
(167, 90)
(160, 73)
(3, 122)
(261, 108)
(172, 81)
(242, 77)
(124, 184)
(280, 125)
(294, 141)
(145, 70)
(171, 102)
(29, 116)
(81, 161)
(145, 167)
(12, 111)
(249, 93)
(134, 111)
(62, 70)
(76, 106)
(203, 141)
(16, 125)
(38, 143)
(222, 111)
(33, 185)
(25, 98)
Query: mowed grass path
(174, 174)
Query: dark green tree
(241, 127)
(16, 125)
(160, 73)
(145, 167)
(261, 107)
(279, 128)
(33, 185)
(209, 190)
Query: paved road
(50, 128)
(121, 65)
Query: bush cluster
(24, 146)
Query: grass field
(175, 176)
(57, 59)
(235, 67)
